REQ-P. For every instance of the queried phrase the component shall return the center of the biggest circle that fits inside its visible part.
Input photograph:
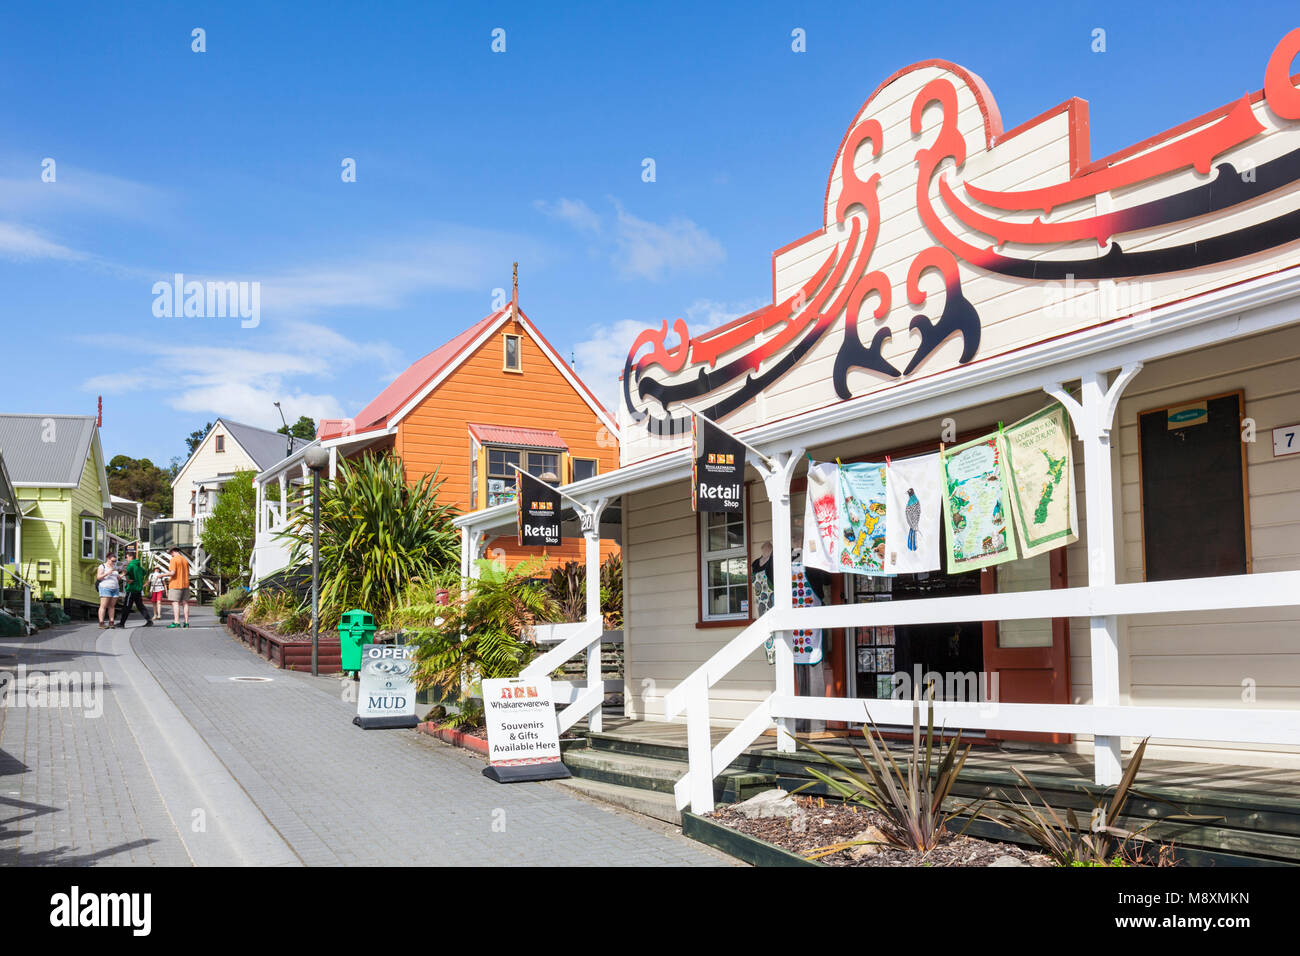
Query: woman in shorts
(106, 577)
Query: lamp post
(288, 435)
(317, 459)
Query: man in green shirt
(133, 591)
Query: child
(157, 589)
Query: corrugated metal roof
(410, 382)
(264, 446)
(511, 435)
(46, 449)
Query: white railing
(24, 584)
(271, 552)
(583, 700)
(1238, 725)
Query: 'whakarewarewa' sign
(958, 239)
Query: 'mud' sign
(948, 240)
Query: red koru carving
(843, 281)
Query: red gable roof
(512, 435)
(408, 384)
(382, 412)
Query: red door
(1030, 675)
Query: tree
(140, 480)
(304, 428)
(229, 531)
(196, 439)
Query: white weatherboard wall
(1201, 660)
(1169, 659)
(207, 463)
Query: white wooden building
(965, 275)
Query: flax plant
(908, 798)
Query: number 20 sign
(1286, 440)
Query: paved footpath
(180, 764)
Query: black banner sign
(538, 511)
(717, 469)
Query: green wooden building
(56, 465)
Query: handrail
(1225, 592)
(723, 661)
(581, 636)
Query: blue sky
(226, 165)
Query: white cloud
(19, 242)
(573, 211)
(81, 191)
(639, 248)
(601, 356)
(253, 403)
(243, 383)
(648, 250)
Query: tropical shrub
(378, 534)
(280, 610)
(568, 588)
(482, 633)
(232, 600)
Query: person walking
(158, 590)
(133, 591)
(178, 587)
(108, 581)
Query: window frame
(573, 467)
(219, 444)
(1240, 395)
(704, 617)
(506, 449)
(95, 538)
(559, 460)
(519, 352)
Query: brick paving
(325, 791)
(75, 789)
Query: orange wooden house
(496, 395)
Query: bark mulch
(820, 826)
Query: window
(501, 476)
(221, 443)
(724, 567)
(92, 539)
(473, 475)
(9, 538)
(500, 462)
(540, 463)
(1192, 467)
(510, 348)
(584, 468)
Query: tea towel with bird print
(913, 514)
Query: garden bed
(474, 739)
(816, 824)
(289, 651)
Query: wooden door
(1030, 674)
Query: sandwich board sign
(523, 737)
(386, 698)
